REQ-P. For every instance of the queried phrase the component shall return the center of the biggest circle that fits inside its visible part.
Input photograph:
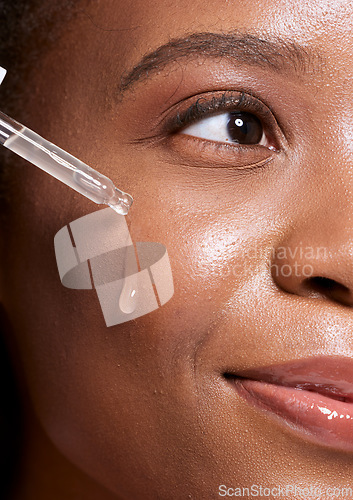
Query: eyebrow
(275, 53)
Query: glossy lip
(314, 397)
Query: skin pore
(142, 409)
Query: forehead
(110, 38)
(137, 28)
(315, 21)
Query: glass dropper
(61, 165)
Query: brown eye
(244, 128)
(233, 127)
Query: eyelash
(228, 101)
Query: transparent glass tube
(61, 165)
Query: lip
(314, 397)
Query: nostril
(329, 288)
(322, 284)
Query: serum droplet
(128, 296)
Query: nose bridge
(328, 179)
(331, 117)
(314, 256)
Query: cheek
(94, 387)
(88, 382)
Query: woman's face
(152, 408)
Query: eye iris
(244, 128)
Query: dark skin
(142, 409)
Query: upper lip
(331, 376)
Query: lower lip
(320, 419)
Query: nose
(315, 258)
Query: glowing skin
(143, 410)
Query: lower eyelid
(210, 154)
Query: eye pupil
(244, 128)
